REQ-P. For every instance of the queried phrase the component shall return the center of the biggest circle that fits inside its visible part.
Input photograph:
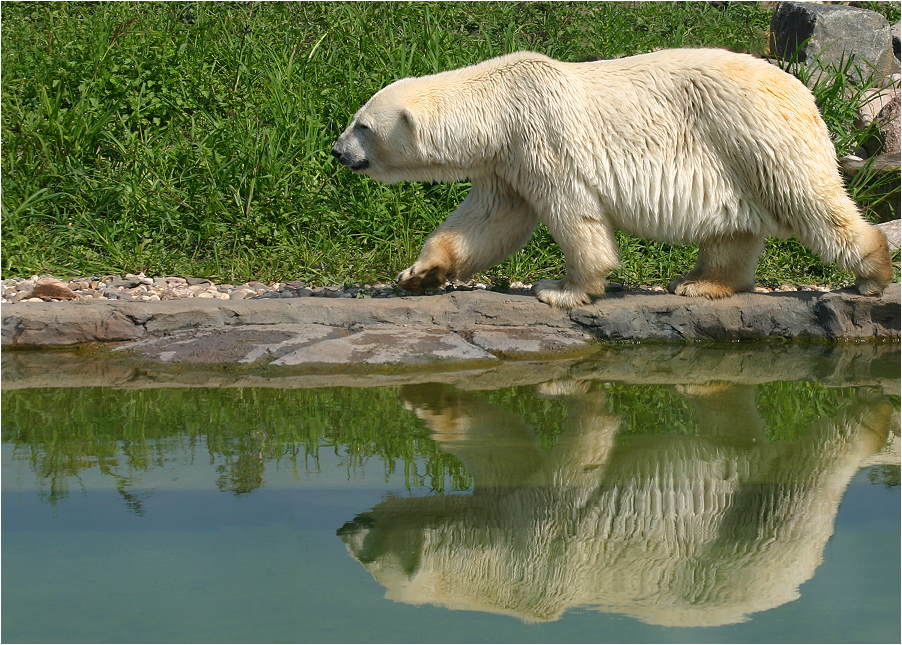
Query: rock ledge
(468, 326)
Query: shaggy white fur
(686, 145)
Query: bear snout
(346, 160)
(339, 155)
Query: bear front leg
(490, 224)
(436, 264)
(590, 252)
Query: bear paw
(868, 287)
(710, 289)
(420, 277)
(557, 294)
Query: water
(640, 495)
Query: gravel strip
(138, 287)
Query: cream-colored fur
(686, 145)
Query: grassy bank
(194, 138)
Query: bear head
(419, 129)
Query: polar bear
(684, 145)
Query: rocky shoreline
(476, 327)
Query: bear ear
(411, 120)
(408, 118)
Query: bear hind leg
(724, 266)
(850, 241)
(874, 270)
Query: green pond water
(640, 495)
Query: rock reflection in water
(678, 530)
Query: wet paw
(557, 294)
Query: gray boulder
(893, 232)
(888, 125)
(876, 98)
(896, 42)
(829, 34)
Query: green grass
(194, 138)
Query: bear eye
(361, 126)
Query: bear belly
(685, 224)
(681, 201)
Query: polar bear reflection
(671, 530)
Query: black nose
(336, 153)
